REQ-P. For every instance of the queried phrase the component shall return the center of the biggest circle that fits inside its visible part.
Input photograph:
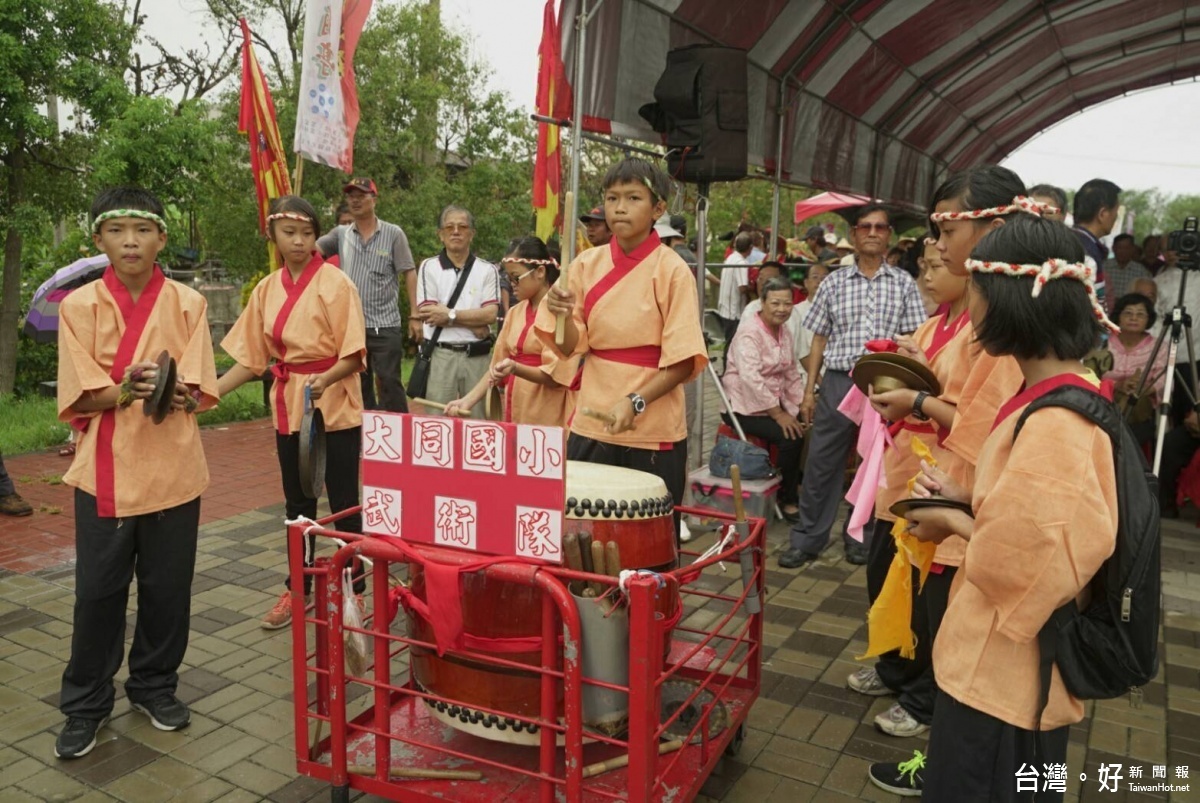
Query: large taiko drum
(629, 507)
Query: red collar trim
(1028, 395)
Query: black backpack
(1110, 647)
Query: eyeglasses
(517, 280)
(867, 228)
(452, 228)
(1134, 313)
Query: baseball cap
(362, 185)
(664, 229)
(596, 214)
(679, 223)
(815, 231)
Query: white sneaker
(685, 534)
(898, 722)
(866, 681)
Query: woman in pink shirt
(1131, 349)
(765, 388)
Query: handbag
(754, 461)
(418, 380)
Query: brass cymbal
(159, 403)
(889, 371)
(902, 508)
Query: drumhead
(595, 490)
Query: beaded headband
(523, 261)
(289, 216)
(138, 213)
(1047, 271)
(1020, 203)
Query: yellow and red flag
(553, 100)
(257, 120)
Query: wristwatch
(639, 404)
(453, 316)
(918, 403)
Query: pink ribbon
(873, 439)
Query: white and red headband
(1020, 203)
(1048, 271)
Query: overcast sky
(1143, 141)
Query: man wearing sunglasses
(864, 301)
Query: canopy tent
(883, 98)
(826, 202)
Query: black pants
(6, 483)
(1178, 447)
(385, 349)
(763, 426)
(911, 678)
(1181, 402)
(668, 464)
(974, 757)
(160, 549)
(341, 484)
(729, 327)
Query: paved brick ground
(809, 738)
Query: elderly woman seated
(1131, 349)
(764, 385)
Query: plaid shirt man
(851, 310)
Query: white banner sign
(321, 134)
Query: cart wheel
(340, 794)
(735, 744)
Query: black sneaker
(78, 737)
(856, 554)
(795, 558)
(904, 779)
(166, 712)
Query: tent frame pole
(778, 181)
(581, 23)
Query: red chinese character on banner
(379, 435)
(535, 534)
(432, 442)
(377, 509)
(539, 454)
(455, 523)
(483, 447)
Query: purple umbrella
(41, 323)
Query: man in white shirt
(461, 355)
(735, 286)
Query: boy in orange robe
(630, 309)
(137, 483)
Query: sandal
(67, 451)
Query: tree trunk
(10, 305)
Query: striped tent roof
(883, 98)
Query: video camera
(1186, 243)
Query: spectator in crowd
(1168, 281)
(596, 227)
(759, 250)
(678, 223)
(773, 270)
(1147, 288)
(1152, 253)
(1049, 194)
(735, 285)
(812, 283)
(11, 503)
(844, 248)
(1121, 271)
(1095, 212)
(461, 355)
(763, 382)
(373, 253)
(893, 256)
(813, 243)
(1131, 349)
(344, 218)
(865, 301)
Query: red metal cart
(376, 732)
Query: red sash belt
(644, 356)
(281, 371)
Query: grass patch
(244, 404)
(29, 424)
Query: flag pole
(299, 179)
(568, 234)
(572, 210)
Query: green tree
(74, 50)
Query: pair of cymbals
(159, 403)
(889, 371)
(902, 508)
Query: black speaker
(701, 107)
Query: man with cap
(596, 227)
(814, 243)
(373, 253)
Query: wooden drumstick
(612, 567)
(607, 418)
(418, 773)
(601, 767)
(560, 325)
(598, 563)
(438, 406)
(585, 552)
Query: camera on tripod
(1186, 243)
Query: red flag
(553, 100)
(257, 120)
(354, 17)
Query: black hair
(773, 263)
(534, 250)
(1060, 322)
(342, 209)
(979, 187)
(638, 171)
(1121, 237)
(1093, 196)
(126, 198)
(867, 209)
(1131, 299)
(776, 285)
(1051, 191)
(296, 205)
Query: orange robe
(325, 324)
(528, 402)
(647, 321)
(152, 466)
(1045, 519)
